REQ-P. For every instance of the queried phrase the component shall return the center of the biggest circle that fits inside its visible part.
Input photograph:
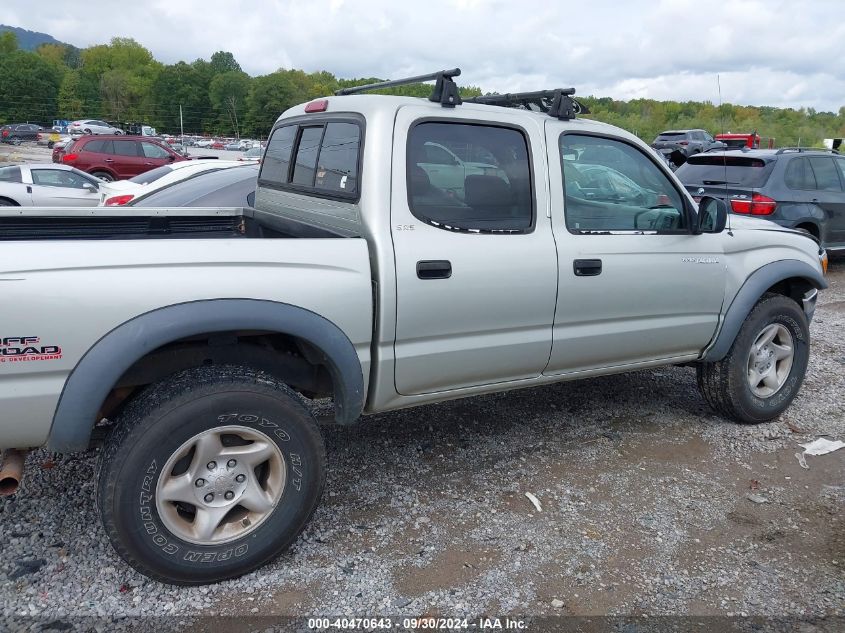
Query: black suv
(14, 133)
(796, 187)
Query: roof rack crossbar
(783, 150)
(557, 103)
(445, 90)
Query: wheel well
(811, 228)
(795, 288)
(288, 358)
(4, 198)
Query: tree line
(122, 82)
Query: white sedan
(92, 126)
(121, 192)
(47, 185)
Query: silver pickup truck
(401, 251)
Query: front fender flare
(749, 294)
(100, 368)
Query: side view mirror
(171, 158)
(712, 215)
(89, 186)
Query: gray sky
(767, 52)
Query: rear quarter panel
(64, 296)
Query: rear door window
(125, 148)
(799, 176)
(825, 171)
(450, 188)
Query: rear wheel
(209, 475)
(103, 175)
(761, 374)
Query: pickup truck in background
(753, 140)
(192, 340)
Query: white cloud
(773, 52)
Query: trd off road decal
(27, 348)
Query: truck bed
(103, 223)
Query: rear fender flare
(107, 360)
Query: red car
(117, 157)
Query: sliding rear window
(315, 157)
(716, 169)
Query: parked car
(355, 277)
(16, 133)
(204, 143)
(797, 188)
(679, 145)
(252, 154)
(47, 185)
(233, 187)
(217, 145)
(92, 126)
(51, 137)
(59, 149)
(118, 157)
(121, 192)
(234, 146)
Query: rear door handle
(434, 269)
(587, 267)
(108, 160)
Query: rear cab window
(718, 169)
(315, 156)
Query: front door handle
(587, 267)
(434, 269)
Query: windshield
(714, 169)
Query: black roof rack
(445, 90)
(783, 150)
(557, 103)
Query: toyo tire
(154, 473)
(763, 370)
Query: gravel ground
(650, 505)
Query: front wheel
(103, 175)
(763, 371)
(210, 474)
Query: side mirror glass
(712, 215)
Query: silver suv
(548, 248)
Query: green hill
(30, 40)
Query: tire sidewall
(133, 504)
(777, 311)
